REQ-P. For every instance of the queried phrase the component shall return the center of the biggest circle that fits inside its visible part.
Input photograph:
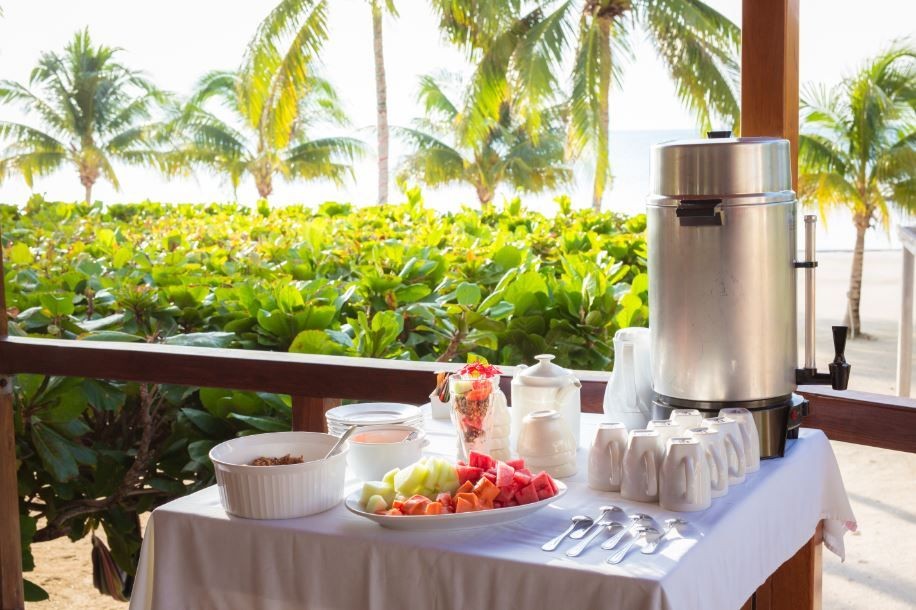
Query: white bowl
(279, 492)
(374, 450)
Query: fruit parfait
(475, 400)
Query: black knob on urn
(839, 368)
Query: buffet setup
(693, 485)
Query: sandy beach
(880, 570)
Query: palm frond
(325, 158)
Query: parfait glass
(473, 402)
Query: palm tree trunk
(602, 162)
(264, 183)
(484, 195)
(854, 296)
(88, 192)
(381, 102)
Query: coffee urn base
(777, 419)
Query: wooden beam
(308, 413)
(769, 72)
(11, 594)
(877, 420)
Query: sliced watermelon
(468, 473)
(518, 464)
(527, 494)
(542, 481)
(545, 493)
(525, 471)
(504, 474)
(506, 494)
(444, 498)
(521, 479)
(491, 476)
(481, 460)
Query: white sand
(880, 570)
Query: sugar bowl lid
(721, 167)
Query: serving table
(195, 556)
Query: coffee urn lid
(722, 167)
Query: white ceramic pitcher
(545, 386)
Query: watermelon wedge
(481, 460)
(504, 474)
(468, 473)
(527, 494)
(517, 463)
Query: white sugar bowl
(546, 443)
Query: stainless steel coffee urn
(722, 302)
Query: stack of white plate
(372, 413)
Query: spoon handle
(577, 550)
(553, 544)
(343, 438)
(611, 542)
(619, 555)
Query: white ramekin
(279, 492)
(369, 461)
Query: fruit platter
(434, 494)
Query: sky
(175, 42)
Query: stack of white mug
(682, 462)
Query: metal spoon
(578, 522)
(653, 542)
(636, 520)
(596, 529)
(640, 532)
(604, 511)
(343, 438)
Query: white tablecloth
(196, 557)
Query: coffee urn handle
(839, 368)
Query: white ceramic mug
(734, 446)
(667, 429)
(374, 450)
(713, 443)
(605, 458)
(749, 435)
(683, 479)
(686, 419)
(640, 467)
(545, 442)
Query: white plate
(370, 413)
(453, 520)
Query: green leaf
(412, 293)
(199, 451)
(316, 342)
(264, 424)
(508, 257)
(57, 305)
(111, 335)
(32, 592)
(468, 294)
(289, 299)
(54, 452)
(211, 339)
(100, 323)
(204, 421)
(20, 254)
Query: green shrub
(396, 281)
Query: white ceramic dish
(338, 429)
(372, 413)
(279, 492)
(374, 450)
(481, 518)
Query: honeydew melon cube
(375, 504)
(462, 386)
(389, 476)
(434, 465)
(448, 478)
(377, 488)
(409, 479)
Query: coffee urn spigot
(838, 377)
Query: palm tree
(94, 111)
(379, 7)
(858, 150)
(697, 44)
(265, 133)
(507, 151)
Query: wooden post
(308, 413)
(905, 331)
(11, 594)
(769, 72)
